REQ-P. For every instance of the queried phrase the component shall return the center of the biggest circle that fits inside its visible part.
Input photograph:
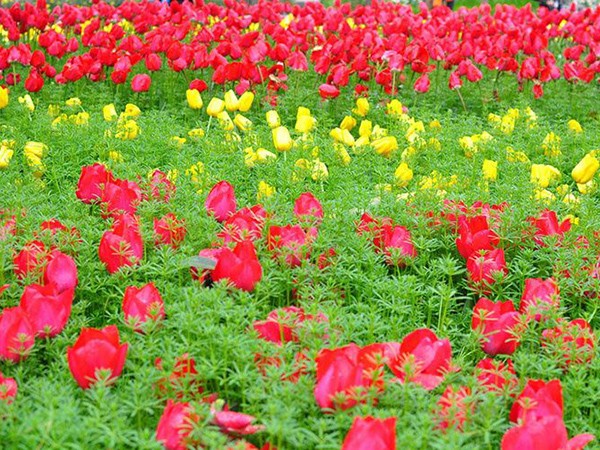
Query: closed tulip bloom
(225, 121)
(570, 342)
(123, 245)
(215, 107)
(474, 235)
(385, 146)
(242, 122)
(497, 322)
(348, 122)
(539, 297)
(168, 230)
(221, 201)
(175, 425)
(97, 355)
(369, 433)
(273, 119)
(92, 182)
(574, 126)
(365, 129)
(240, 266)
(585, 170)
(245, 101)
(548, 433)
(47, 309)
(362, 107)
(328, 91)
(305, 124)
(490, 170)
(3, 97)
(308, 208)
(17, 334)
(483, 267)
(109, 113)
(282, 139)
(403, 175)
(537, 400)
(6, 155)
(132, 111)
(496, 376)
(231, 101)
(194, 99)
(8, 389)
(142, 304)
(141, 82)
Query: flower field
(277, 226)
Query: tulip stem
(462, 100)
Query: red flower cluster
(392, 241)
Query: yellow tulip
(194, 99)
(273, 119)
(385, 146)
(542, 175)
(515, 156)
(362, 107)
(378, 132)
(365, 129)
(81, 118)
(348, 123)
(574, 126)
(394, 108)
(347, 138)
(282, 139)
(551, 145)
(264, 155)
(34, 149)
(494, 118)
(336, 134)
(435, 125)
(242, 122)
(361, 142)
(6, 155)
(265, 190)
(128, 130)
(225, 121)
(304, 123)
(250, 157)
(108, 111)
(215, 107)
(490, 170)
(571, 199)
(245, 101)
(27, 102)
(231, 101)
(3, 97)
(73, 101)
(585, 170)
(132, 111)
(403, 175)
(587, 188)
(319, 171)
(544, 196)
(342, 154)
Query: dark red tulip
(97, 355)
(369, 433)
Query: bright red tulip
(547, 225)
(369, 433)
(539, 297)
(421, 358)
(175, 425)
(496, 376)
(538, 399)
(17, 334)
(245, 224)
(484, 267)
(282, 325)
(395, 243)
(422, 84)
(141, 305)
(235, 423)
(571, 342)
(8, 389)
(240, 266)
(120, 196)
(308, 208)
(34, 82)
(97, 355)
(30, 260)
(221, 201)
(141, 82)
(548, 433)
(290, 243)
(153, 62)
(327, 91)
(498, 324)
(161, 188)
(122, 245)
(61, 272)
(47, 308)
(92, 181)
(453, 408)
(475, 235)
(169, 230)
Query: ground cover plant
(275, 226)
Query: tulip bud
(282, 139)
(215, 107)
(3, 97)
(109, 112)
(574, 126)
(225, 121)
(194, 99)
(273, 119)
(263, 155)
(348, 123)
(585, 170)
(231, 101)
(385, 146)
(245, 101)
(319, 171)
(305, 123)
(336, 134)
(542, 174)
(365, 129)
(490, 170)
(132, 111)
(242, 122)
(362, 107)
(403, 174)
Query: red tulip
(30, 260)
(235, 423)
(498, 324)
(8, 389)
(199, 85)
(17, 335)
(290, 243)
(245, 224)
(175, 425)
(221, 201)
(454, 408)
(537, 400)
(8, 228)
(475, 235)
(123, 245)
(539, 297)
(120, 196)
(61, 272)
(547, 225)
(422, 358)
(97, 355)
(141, 82)
(153, 62)
(92, 181)
(327, 91)
(395, 243)
(572, 342)
(496, 376)
(34, 82)
(141, 305)
(345, 374)
(169, 230)
(547, 433)
(422, 84)
(308, 208)
(484, 267)
(282, 325)
(240, 266)
(369, 433)
(47, 308)
(161, 188)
